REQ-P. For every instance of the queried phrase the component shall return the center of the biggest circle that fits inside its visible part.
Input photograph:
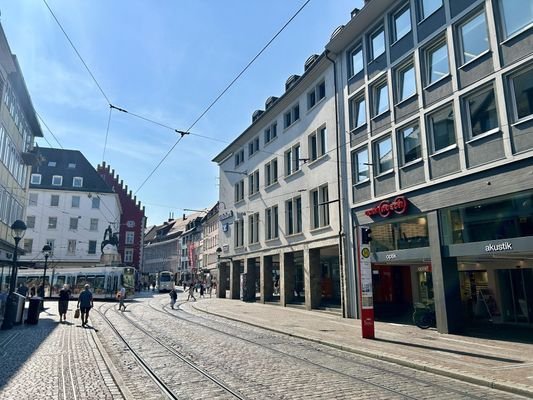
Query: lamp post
(46, 251)
(18, 229)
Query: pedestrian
(121, 295)
(22, 290)
(85, 303)
(191, 293)
(64, 297)
(202, 289)
(173, 297)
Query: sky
(165, 60)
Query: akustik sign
(386, 207)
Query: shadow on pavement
(502, 332)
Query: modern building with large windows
(279, 198)
(438, 100)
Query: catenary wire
(49, 130)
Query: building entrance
(392, 292)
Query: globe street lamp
(18, 229)
(46, 251)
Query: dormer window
(35, 179)
(71, 165)
(57, 180)
(77, 181)
(51, 163)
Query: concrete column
(223, 273)
(266, 279)
(249, 269)
(446, 287)
(312, 275)
(286, 278)
(234, 279)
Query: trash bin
(21, 301)
(33, 310)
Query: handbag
(77, 313)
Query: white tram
(165, 281)
(104, 281)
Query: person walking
(173, 297)
(121, 297)
(64, 297)
(191, 293)
(85, 303)
(202, 289)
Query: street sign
(365, 283)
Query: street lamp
(18, 229)
(46, 251)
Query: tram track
(334, 354)
(165, 388)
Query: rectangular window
(73, 225)
(294, 215)
(384, 155)
(319, 207)
(522, 87)
(239, 157)
(130, 237)
(253, 183)
(35, 179)
(517, 15)
(239, 191)
(442, 129)
(360, 167)
(34, 198)
(239, 233)
(401, 23)
(291, 116)
(438, 67)
(356, 64)
(357, 112)
(71, 247)
(474, 38)
(54, 200)
(317, 144)
(92, 247)
(271, 223)
(77, 181)
(75, 202)
(253, 228)
(28, 246)
(253, 147)
(128, 255)
(51, 243)
(409, 139)
(95, 202)
(52, 222)
(428, 7)
(406, 82)
(57, 180)
(315, 95)
(93, 224)
(271, 172)
(377, 41)
(381, 98)
(271, 132)
(292, 160)
(71, 165)
(481, 110)
(30, 221)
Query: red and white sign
(366, 297)
(386, 207)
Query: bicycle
(424, 316)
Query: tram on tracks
(165, 281)
(104, 281)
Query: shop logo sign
(504, 246)
(386, 207)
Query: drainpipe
(341, 233)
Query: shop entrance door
(517, 295)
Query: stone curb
(505, 387)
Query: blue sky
(166, 60)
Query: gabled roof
(67, 164)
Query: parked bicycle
(424, 315)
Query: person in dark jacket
(64, 297)
(85, 303)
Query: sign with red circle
(386, 207)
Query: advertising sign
(365, 283)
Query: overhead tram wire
(107, 132)
(49, 130)
(224, 91)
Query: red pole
(365, 287)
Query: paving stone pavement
(504, 363)
(52, 360)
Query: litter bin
(33, 310)
(21, 300)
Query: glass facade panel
(411, 144)
(407, 83)
(523, 94)
(384, 149)
(382, 99)
(483, 114)
(402, 23)
(406, 234)
(378, 44)
(491, 220)
(438, 63)
(442, 129)
(474, 38)
(357, 61)
(428, 7)
(517, 14)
